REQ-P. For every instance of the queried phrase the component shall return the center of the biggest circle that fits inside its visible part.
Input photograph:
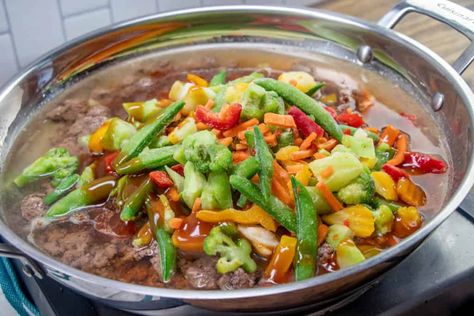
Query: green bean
(265, 160)
(315, 89)
(273, 206)
(247, 168)
(147, 133)
(218, 79)
(306, 232)
(63, 187)
(134, 202)
(167, 253)
(148, 159)
(312, 107)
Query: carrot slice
(225, 141)
(271, 140)
(197, 205)
(175, 222)
(285, 121)
(402, 147)
(293, 169)
(329, 197)
(241, 127)
(298, 141)
(238, 156)
(329, 145)
(389, 135)
(281, 192)
(319, 156)
(326, 173)
(210, 104)
(372, 129)
(302, 154)
(322, 232)
(241, 146)
(280, 173)
(173, 194)
(308, 141)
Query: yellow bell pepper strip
(384, 185)
(358, 218)
(146, 134)
(143, 237)
(95, 141)
(197, 80)
(254, 215)
(282, 260)
(407, 221)
(410, 193)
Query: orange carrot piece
(238, 156)
(372, 129)
(402, 147)
(301, 154)
(241, 127)
(281, 192)
(197, 205)
(322, 232)
(280, 173)
(225, 141)
(263, 128)
(173, 194)
(389, 135)
(216, 132)
(210, 104)
(326, 173)
(271, 140)
(286, 121)
(329, 145)
(328, 196)
(175, 222)
(298, 141)
(319, 156)
(241, 146)
(308, 141)
(293, 82)
(201, 126)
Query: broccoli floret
(57, 163)
(232, 254)
(203, 150)
(383, 153)
(193, 184)
(360, 191)
(256, 101)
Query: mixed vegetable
(257, 172)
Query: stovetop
(436, 279)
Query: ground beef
(325, 252)
(68, 111)
(88, 123)
(103, 97)
(239, 279)
(32, 206)
(201, 273)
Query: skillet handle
(447, 12)
(30, 268)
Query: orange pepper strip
(241, 127)
(95, 142)
(402, 147)
(282, 259)
(285, 121)
(144, 236)
(302, 154)
(201, 126)
(173, 194)
(196, 205)
(280, 173)
(254, 215)
(389, 135)
(197, 80)
(326, 173)
(225, 141)
(238, 156)
(308, 141)
(328, 196)
(322, 232)
(329, 145)
(176, 222)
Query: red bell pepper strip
(227, 118)
(351, 119)
(108, 161)
(161, 179)
(395, 172)
(305, 124)
(179, 169)
(423, 163)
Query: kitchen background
(30, 28)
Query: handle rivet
(27, 270)
(437, 101)
(364, 54)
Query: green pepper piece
(247, 168)
(218, 79)
(286, 138)
(265, 159)
(306, 232)
(273, 206)
(149, 159)
(147, 133)
(63, 187)
(372, 135)
(135, 201)
(91, 193)
(305, 103)
(315, 89)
